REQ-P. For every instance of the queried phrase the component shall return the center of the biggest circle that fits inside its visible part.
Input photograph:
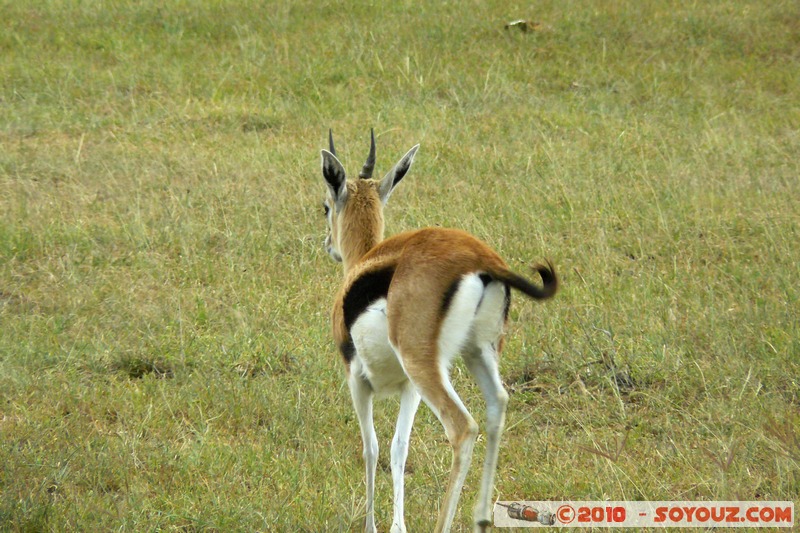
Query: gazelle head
(354, 209)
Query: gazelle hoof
(482, 525)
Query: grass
(165, 355)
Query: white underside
(376, 359)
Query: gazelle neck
(357, 248)
(361, 223)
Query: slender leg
(482, 363)
(409, 402)
(361, 393)
(425, 353)
(461, 430)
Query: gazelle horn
(330, 141)
(369, 166)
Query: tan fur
(361, 221)
(427, 262)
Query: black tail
(549, 281)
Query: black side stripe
(508, 303)
(348, 349)
(447, 299)
(365, 290)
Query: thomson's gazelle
(409, 304)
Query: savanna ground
(166, 360)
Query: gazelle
(408, 305)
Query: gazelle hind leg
(482, 364)
(426, 362)
(461, 430)
(361, 393)
(481, 358)
(409, 402)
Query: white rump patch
(474, 318)
(457, 323)
(490, 316)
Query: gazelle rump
(408, 306)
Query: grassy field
(166, 361)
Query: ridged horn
(330, 141)
(369, 166)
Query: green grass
(166, 359)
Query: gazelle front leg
(409, 402)
(361, 392)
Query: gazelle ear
(335, 178)
(390, 180)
